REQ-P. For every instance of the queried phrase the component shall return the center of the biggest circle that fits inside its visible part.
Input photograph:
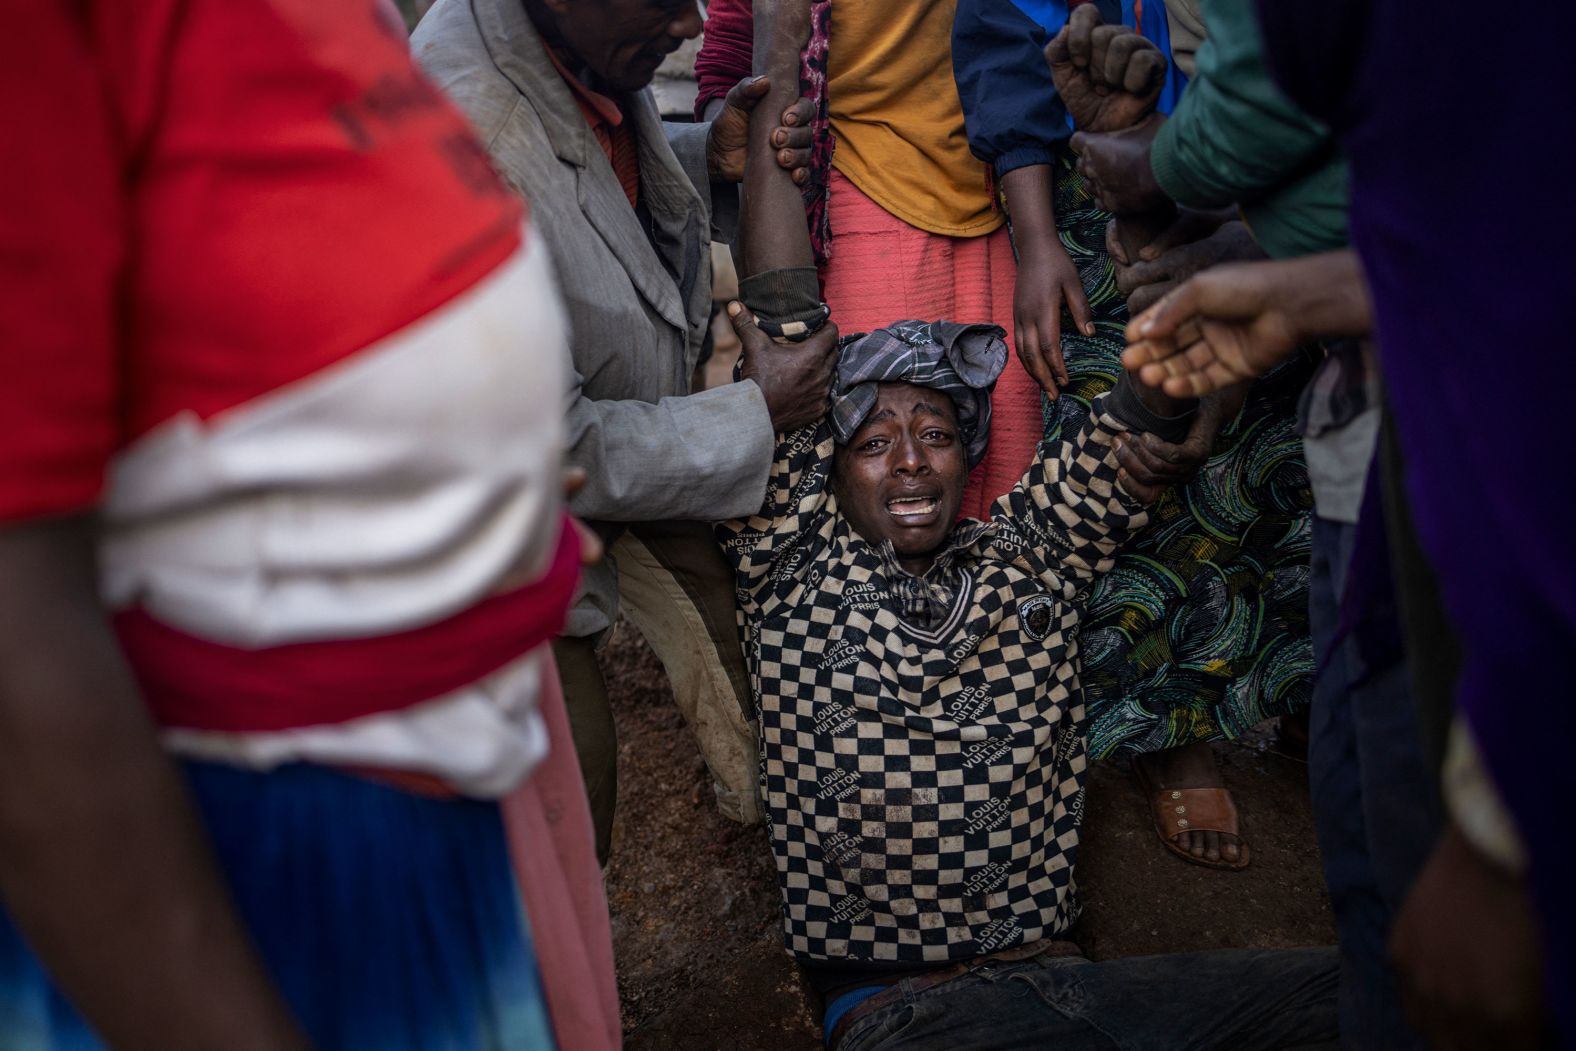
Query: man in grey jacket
(558, 91)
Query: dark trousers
(591, 727)
(1241, 999)
(1375, 806)
(675, 587)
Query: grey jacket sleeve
(689, 145)
(702, 456)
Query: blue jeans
(1375, 807)
(1241, 999)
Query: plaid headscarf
(961, 361)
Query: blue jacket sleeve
(1013, 116)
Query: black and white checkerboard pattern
(924, 789)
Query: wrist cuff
(786, 303)
(1167, 171)
(1026, 156)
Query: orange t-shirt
(895, 112)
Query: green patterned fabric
(1201, 630)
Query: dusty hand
(1047, 279)
(1154, 239)
(728, 142)
(1150, 465)
(1465, 947)
(796, 378)
(1116, 166)
(1223, 326)
(1145, 282)
(1109, 77)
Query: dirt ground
(694, 899)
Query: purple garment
(1456, 119)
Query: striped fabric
(294, 342)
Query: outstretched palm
(1109, 77)
(1239, 320)
(1218, 328)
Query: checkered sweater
(923, 774)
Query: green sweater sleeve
(1236, 139)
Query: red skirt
(883, 270)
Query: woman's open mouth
(912, 507)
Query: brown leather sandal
(1179, 810)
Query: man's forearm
(1325, 295)
(776, 236)
(103, 865)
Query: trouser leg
(1241, 999)
(1335, 783)
(1236, 999)
(1424, 625)
(1400, 792)
(995, 1007)
(1373, 806)
(1401, 812)
(1403, 706)
(591, 726)
(677, 589)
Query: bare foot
(1192, 766)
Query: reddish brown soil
(694, 900)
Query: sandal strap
(1180, 810)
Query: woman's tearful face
(901, 475)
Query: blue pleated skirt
(390, 921)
